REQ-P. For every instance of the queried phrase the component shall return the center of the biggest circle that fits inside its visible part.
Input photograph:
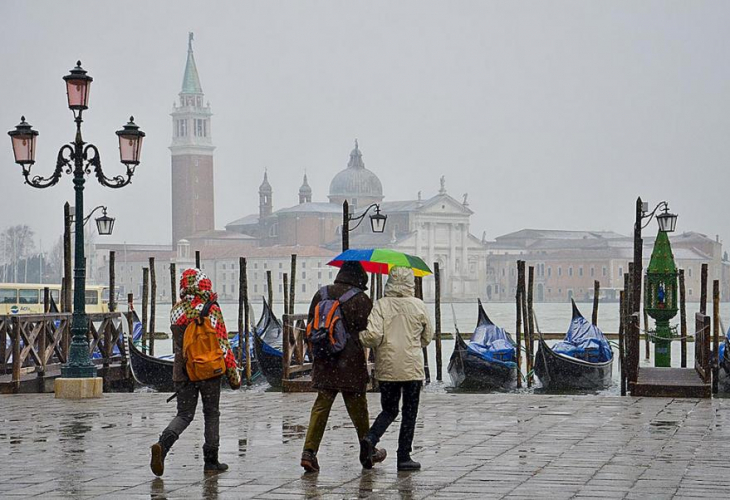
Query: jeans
(187, 401)
(357, 407)
(390, 394)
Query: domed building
(356, 184)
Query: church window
(620, 271)
(560, 271)
(689, 271)
(199, 132)
(550, 271)
(266, 265)
(304, 264)
(183, 127)
(690, 292)
(281, 265)
(604, 271)
(580, 271)
(570, 271)
(304, 275)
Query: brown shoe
(379, 455)
(309, 461)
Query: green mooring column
(663, 348)
(660, 297)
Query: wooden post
(15, 321)
(153, 305)
(596, 292)
(130, 329)
(623, 337)
(621, 353)
(240, 326)
(518, 330)
(292, 283)
(285, 280)
(437, 315)
(197, 259)
(703, 289)
(682, 320)
(112, 282)
(647, 342)
(244, 289)
(715, 335)
(380, 286)
(372, 287)
(42, 337)
(419, 294)
(269, 289)
(530, 322)
(145, 299)
(173, 283)
(67, 273)
(525, 324)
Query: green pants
(357, 407)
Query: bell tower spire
(192, 157)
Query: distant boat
(583, 360)
(487, 361)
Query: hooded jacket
(398, 328)
(347, 371)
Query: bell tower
(192, 158)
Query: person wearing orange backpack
(200, 363)
(343, 369)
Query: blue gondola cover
(584, 341)
(491, 343)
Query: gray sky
(549, 114)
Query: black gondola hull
(270, 364)
(557, 371)
(150, 371)
(470, 372)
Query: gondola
(487, 361)
(583, 360)
(268, 347)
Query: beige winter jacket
(398, 328)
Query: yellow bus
(27, 298)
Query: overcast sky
(549, 114)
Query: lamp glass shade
(377, 222)
(23, 139)
(130, 143)
(78, 93)
(78, 85)
(667, 222)
(105, 225)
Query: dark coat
(346, 372)
(179, 373)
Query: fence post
(682, 320)
(16, 351)
(437, 326)
(112, 282)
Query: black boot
(159, 451)
(210, 455)
(406, 463)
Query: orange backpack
(201, 349)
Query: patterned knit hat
(194, 283)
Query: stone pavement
(471, 446)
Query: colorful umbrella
(381, 260)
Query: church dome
(356, 182)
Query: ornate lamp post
(660, 288)
(78, 158)
(377, 222)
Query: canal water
(551, 317)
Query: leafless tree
(17, 244)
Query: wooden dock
(671, 383)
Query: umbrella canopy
(381, 260)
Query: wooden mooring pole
(130, 323)
(285, 282)
(246, 319)
(596, 292)
(153, 305)
(197, 259)
(682, 320)
(647, 342)
(241, 332)
(372, 287)
(715, 335)
(621, 351)
(112, 282)
(292, 283)
(703, 289)
(269, 289)
(145, 300)
(437, 315)
(518, 329)
(530, 325)
(173, 283)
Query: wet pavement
(471, 446)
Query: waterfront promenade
(470, 445)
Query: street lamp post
(377, 222)
(78, 158)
